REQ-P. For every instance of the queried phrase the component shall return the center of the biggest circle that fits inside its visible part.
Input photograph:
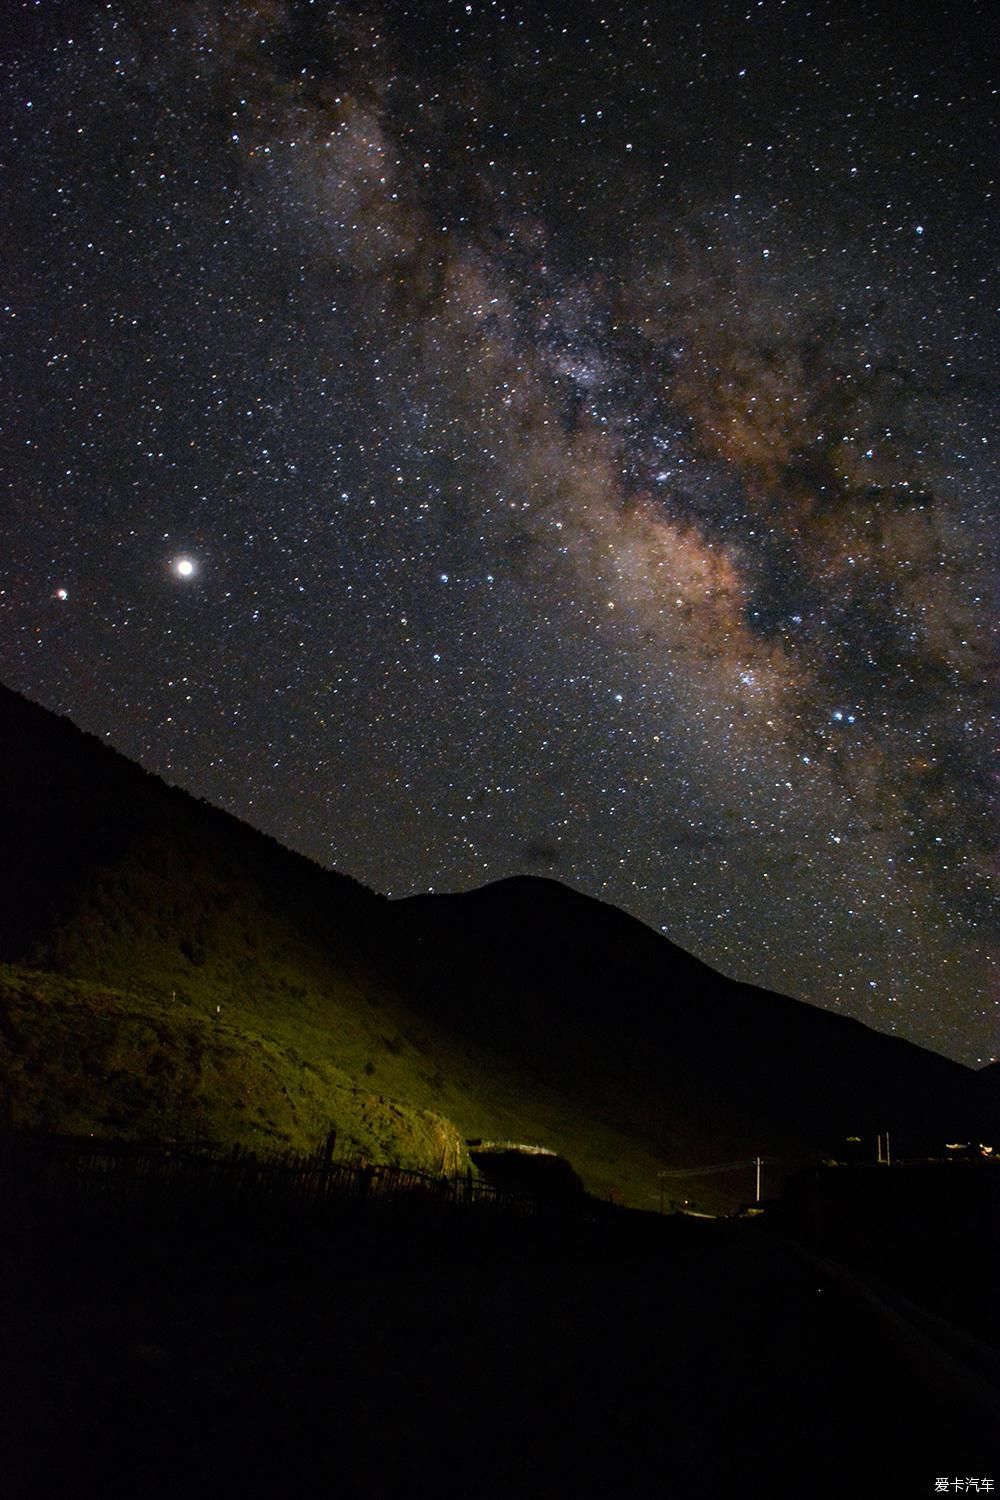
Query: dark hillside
(167, 971)
(559, 982)
(74, 810)
(171, 971)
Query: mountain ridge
(170, 970)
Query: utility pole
(758, 1180)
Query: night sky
(465, 439)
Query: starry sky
(465, 439)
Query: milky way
(468, 439)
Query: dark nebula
(471, 438)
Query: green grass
(83, 1057)
(202, 983)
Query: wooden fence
(77, 1175)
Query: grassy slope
(82, 1057)
(181, 998)
(179, 973)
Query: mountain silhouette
(166, 970)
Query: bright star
(184, 567)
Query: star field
(463, 439)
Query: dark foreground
(465, 1355)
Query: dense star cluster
(469, 438)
